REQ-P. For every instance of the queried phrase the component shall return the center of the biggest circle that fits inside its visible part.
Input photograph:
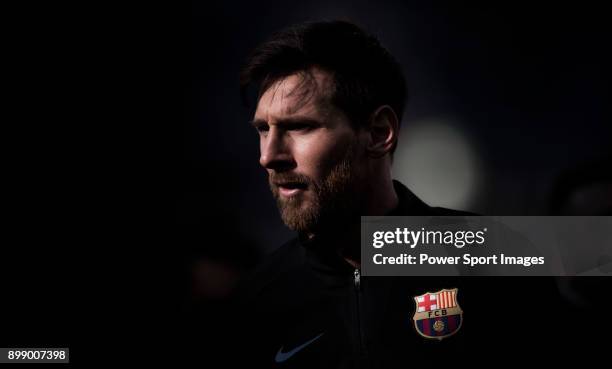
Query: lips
(288, 189)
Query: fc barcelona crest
(438, 315)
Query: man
(329, 105)
(328, 121)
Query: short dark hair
(365, 74)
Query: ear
(383, 132)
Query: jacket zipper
(357, 279)
(360, 330)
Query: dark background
(135, 198)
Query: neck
(379, 194)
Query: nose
(275, 151)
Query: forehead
(302, 93)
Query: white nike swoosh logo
(282, 356)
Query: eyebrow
(287, 121)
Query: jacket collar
(323, 257)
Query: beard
(333, 201)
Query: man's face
(309, 150)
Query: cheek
(318, 154)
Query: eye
(262, 128)
(300, 127)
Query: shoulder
(449, 212)
(410, 204)
(272, 270)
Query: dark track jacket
(306, 307)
